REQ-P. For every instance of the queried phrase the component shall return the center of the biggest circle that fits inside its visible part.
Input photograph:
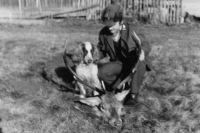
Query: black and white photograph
(99, 66)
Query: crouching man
(117, 41)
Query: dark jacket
(128, 44)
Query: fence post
(40, 6)
(170, 11)
(175, 11)
(124, 8)
(171, 15)
(20, 8)
(61, 4)
(181, 11)
(160, 9)
(146, 6)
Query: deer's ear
(91, 101)
(121, 95)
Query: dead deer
(108, 105)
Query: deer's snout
(116, 123)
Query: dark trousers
(113, 73)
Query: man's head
(112, 14)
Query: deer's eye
(102, 107)
(123, 111)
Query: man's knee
(141, 70)
(106, 74)
(138, 77)
(142, 67)
(102, 74)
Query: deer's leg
(82, 90)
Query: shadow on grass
(64, 74)
(67, 77)
(197, 85)
(62, 78)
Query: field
(31, 56)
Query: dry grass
(169, 99)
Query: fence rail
(52, 3)
(166, 11)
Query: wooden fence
(52, 3)
(166, 11)
(37, 8)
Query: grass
(169, 98)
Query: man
(117, 40)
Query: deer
(108, 105)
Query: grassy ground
(169, 99)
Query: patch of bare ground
(36, 90)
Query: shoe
(131, 99)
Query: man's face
(115, 28)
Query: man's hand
(142, 55)
(103, 60)
(141, 58)
(138, 43)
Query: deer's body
(109, 106)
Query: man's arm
(144, 44)
(103, 57)
(101, 50)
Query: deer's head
(109, 106)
